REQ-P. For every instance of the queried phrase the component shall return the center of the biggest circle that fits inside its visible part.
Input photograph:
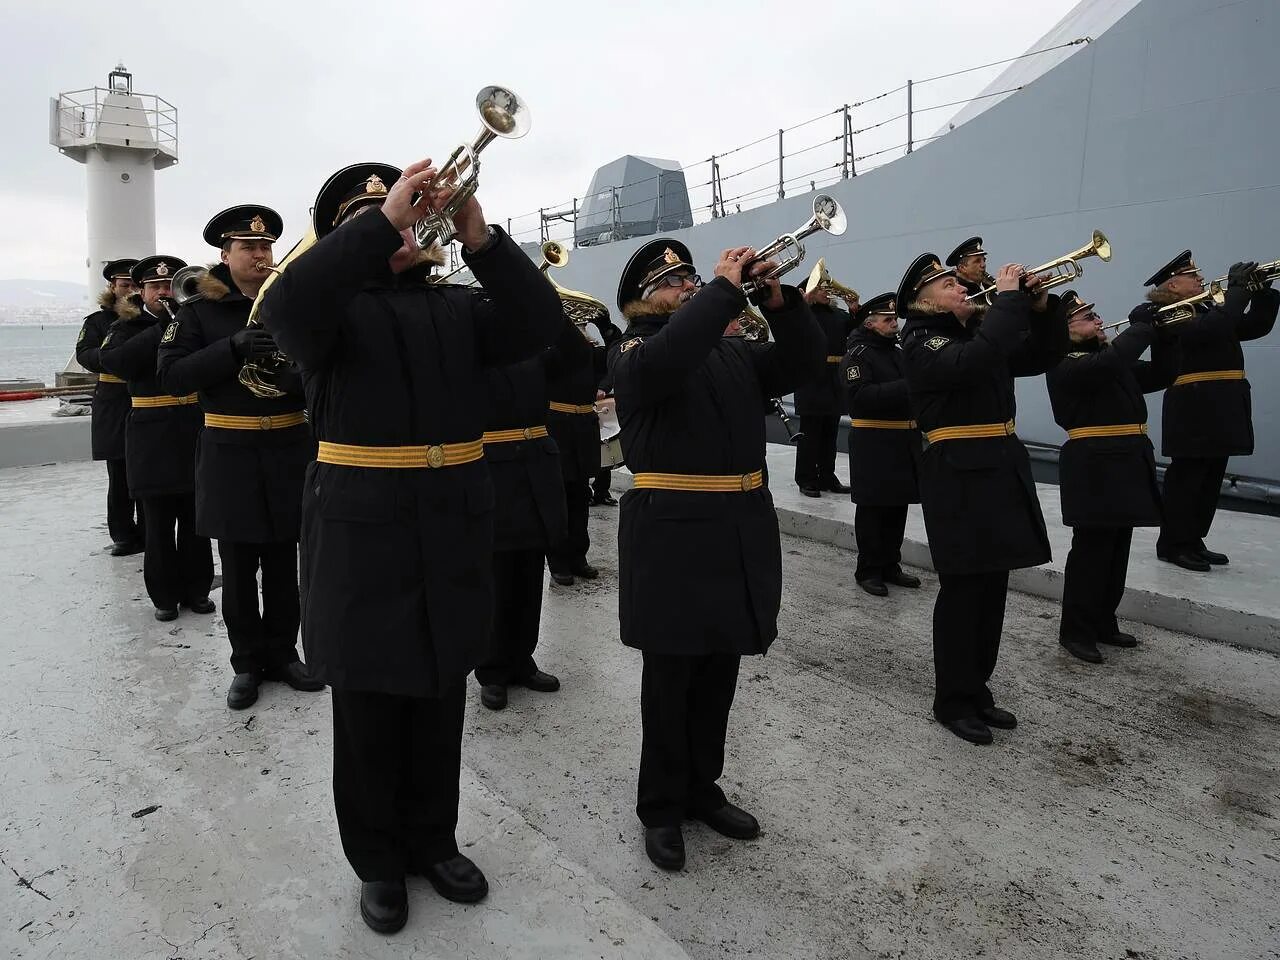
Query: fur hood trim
(107, 299)
(211, 287)
(433, 255)
(129, 307)
(1161, 297)
(643, 308)
(925, 309)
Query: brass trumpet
(1184, 309)
(1263, 273)
(1065, 269)
(502, 114)
(827, 216)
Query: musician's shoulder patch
(1077, 354)
(853, 371)
(80, 339)
(627, 345)
(170, 332)
(937, 343)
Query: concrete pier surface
(1134, 813)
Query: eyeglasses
(678, 280)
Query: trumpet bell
(502, 112)
(829, 215)
(185, 284)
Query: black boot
(494, 695)
(995, 717)
(731, 821)
(969, 728)
(665, 847)
(243, 692)
(1187, 560)
(200, 605)
(384, 904)
(900, 579)
(1119, 639)
(1085, 650)
(295, 675)
(874, 586)
(539, 681)
(458, 879)
(584, 570)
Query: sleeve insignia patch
(1078, 353)
(106, 340)
(853, 372)
(170, 332)
(937, 343)
(80, 339)
(630, 343)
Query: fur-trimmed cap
(1182, 263)
(157, 269)
(119, 269)
(881, 303)
(350, 188)
(970, 248)
(653, 261)
(924, 269)
(248, 221)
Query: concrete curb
(51, 440)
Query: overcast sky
(272, 97)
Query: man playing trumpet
(397, 510)
(700, 565)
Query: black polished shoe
(458, 879)
(874, 586)
(900, 579)
(493, 695)
(731, 821)
(1186, 560)
(811, 491)
(564, 579)
(1120, 639)
(584, 570)
(384, 905)
(541, 682)
(969, 728)
(126, 549)
(1081, 649)
(295, 674)
(165, 614)
(606, 501)
(200, 605)
(995, 717)
(243, 691)
(1213, 557)
(835, 486)
(665, 847)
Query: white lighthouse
(123, 138)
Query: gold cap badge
(375, 185)
(162, 269)
(256, 224)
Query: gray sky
(272, 97)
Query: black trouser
(1191, 488)
(396, 762)
(1093, 584)
(267, 640)
(572, 551)
(878, 531)
(178, 566)
(120, 507)
(967, 619)
(600, 484)
(816, 450)
(684, 713)
(517, 596)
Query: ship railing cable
(567, 211)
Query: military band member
(698, 546)
(111, 413)
(884, 446)
(1207, 414)
(981, 512)
(252, 453)
(1107, 469)
(572, 421)
(160, 446)
(970, 262)
(397, 510)
(819, 402)
(530, 514)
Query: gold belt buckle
(435, 456)
(264, 423)
(528, 433)
(746, 482)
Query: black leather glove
(252, 343)
(1241, 273)
(1144, 313)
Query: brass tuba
(581, 308)
(827, 216)
(503, 114)
(1065, 269)
(257, 377)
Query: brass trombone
(1065, 269)
(827, 216)
(502, 114)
